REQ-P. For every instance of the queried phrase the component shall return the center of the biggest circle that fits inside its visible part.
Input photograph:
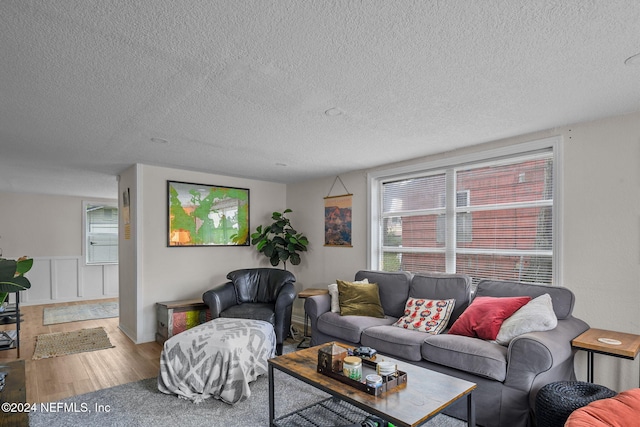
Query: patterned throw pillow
(426, 315)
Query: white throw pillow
(535, 316)
(333, 292)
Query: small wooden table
(610, 343)
(173, 317)
(425, 394)
(304, 294)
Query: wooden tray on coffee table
(389, 382)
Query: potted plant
(279, 241)
(12, 277)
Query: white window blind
(101, 233)
(488, 219)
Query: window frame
(376, 179)
(85, 203)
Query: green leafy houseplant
(280, 242)
(12, 276)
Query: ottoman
(556, 401)
(618, 411)
(216, 359)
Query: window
(489, 217)
(100, 233)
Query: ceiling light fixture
(332, 112)
(633, 60)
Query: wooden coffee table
(425, 394)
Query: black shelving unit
(10, 339)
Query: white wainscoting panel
(64, 279)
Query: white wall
(321, 264)
(174, 273)
(600, 229)
(48, 228)
(128, 254)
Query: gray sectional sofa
(508, 377)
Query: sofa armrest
(535, 353)
(220, 298)
(315, 306)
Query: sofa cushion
(255, 311)
(359, 299)
(535, 316)
(335, 295)
(402, 343)
(393, 288)
(483, 358)
(426, 315)
(443, 286)
(485, 315)
(563, 299)
(349, 328)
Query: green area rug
(63, 343)
(78, 312)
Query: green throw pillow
(359, 299)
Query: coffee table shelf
(330, 412)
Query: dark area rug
(141, 404)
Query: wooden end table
(304, 294)
(610, 343)
(425, 394)
(173, 317)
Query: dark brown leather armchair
(256, 293)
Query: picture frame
(337, 220)
(207, 215)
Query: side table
(304, 294)
(173, 317)
(610, 343)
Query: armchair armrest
(220, 298)
(543, 356)
(285, 298)
(283, 309)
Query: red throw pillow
(484, 316)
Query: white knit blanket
(216, 359)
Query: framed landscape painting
(207, 215)
(337, 220)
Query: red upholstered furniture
(622, 410)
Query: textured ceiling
(247, 88)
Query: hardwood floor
(56, 378)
